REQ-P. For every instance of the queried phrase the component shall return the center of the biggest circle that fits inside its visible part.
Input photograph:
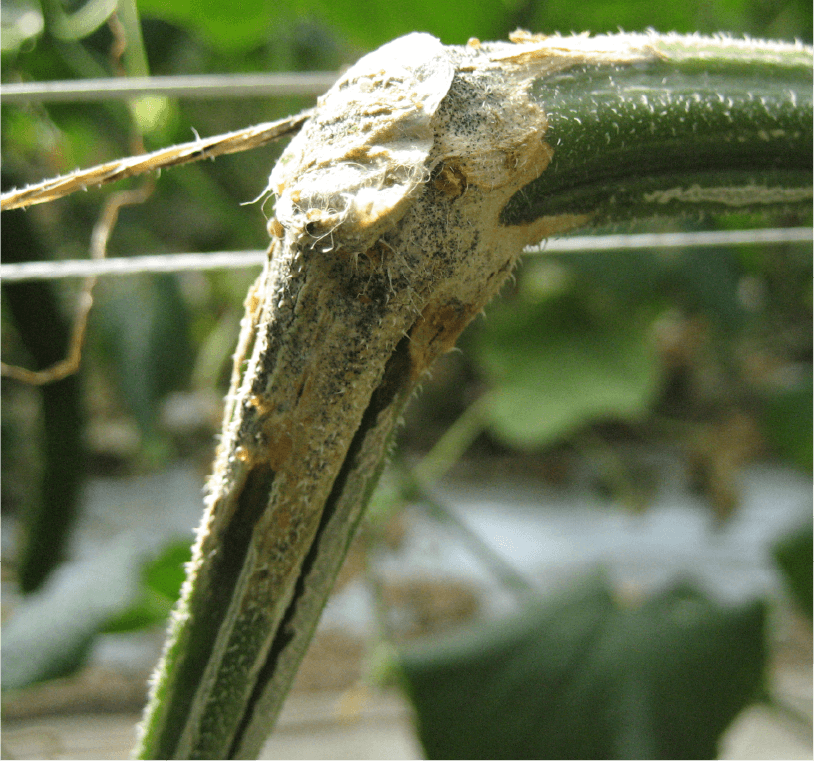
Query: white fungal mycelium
(353, 169)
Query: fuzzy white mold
(352, 171)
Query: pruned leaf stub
(350, 174)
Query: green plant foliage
(368, 24)
(582, 677)
(555, 367)
(371, 23)
(777, 19)
(793, 555)
(161, 587)
(165, 574)
(787, 423)
(700, 280)
(218, 22)
(146, 328)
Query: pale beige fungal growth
(352, 171)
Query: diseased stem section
(351, 492)
(401, 208)
(270, 498)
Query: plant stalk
(402, 207)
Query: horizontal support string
(242, 259)
(195, 86)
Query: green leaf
(787, 423)
(701, 280)
(782, 19)
(581, 677)
(145, 324)
(150, 609)
(621, 14)
(554, 373)
(370, 23)
(218, 21)
(793, 555)
(166, 573)
(162, 579)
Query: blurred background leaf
(583, 677)
(143, 324)
(218, 24)
(787, 422)
(555, 365)
(161, 580)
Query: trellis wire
(242, 259)
(179, 86)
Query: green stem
(705, 127)
(135, 55)
(452, 445)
